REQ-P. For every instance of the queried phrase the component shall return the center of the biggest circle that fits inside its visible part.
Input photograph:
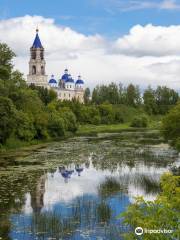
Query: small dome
(65, 76)
(79, 81)
(52, 80)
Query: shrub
(24, 127)
(139, 122)
(56, 126)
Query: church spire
(37, 41)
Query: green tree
(107, 113)
(150, 104)
(46, 95)
(165, 99)
(25, 129)
(133, 97)
(87, 94)
(8, 118)
(6, 55)
(163, 213)
(56, 125)
(171, 125)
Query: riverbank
(14, 146)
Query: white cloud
(169, 5)
(133, 5)
(147, 55)
(150, 41)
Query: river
(76, 188)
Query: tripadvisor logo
(139, 231)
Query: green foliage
(69, 119)
(56, 125)
(7, 118)
(171, 125)
(107, 113)
(159, 101)
(25, 129)
(163, 213)
(87, 94)
(150, 104)
(45, 95)
(140, 122)
(6, 56)
(133, 95)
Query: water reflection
(76, 193)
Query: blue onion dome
(70, 79)
(79, 81)
(52, 80)
(65, 76)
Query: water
(76, 189)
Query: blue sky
(127, 41)
(110, 18)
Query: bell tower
(37, 74)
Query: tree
(133, 97)
(8, 118)
(150, 104)
(165, 99)
(107, 114)
(163, 213)
(46, 95)
(69, 119)
(25, 129)
(6, 55)
(87, 94)
(171, 125)
(56, 125)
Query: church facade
(66, 87)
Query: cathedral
(66, 87)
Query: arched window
(42, 70)
(33, 70)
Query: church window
(42, 55)
(33, 70)
(33, 54)
(42, 70)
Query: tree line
(154, 101)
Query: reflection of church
(66, 87)
(37, 195)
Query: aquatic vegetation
(104, 173)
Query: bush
(24, 127)
(56, 126)
(171, 124)
(154, 214)
(107, 113)
(69, 119)
(139, 122)
(118, 116)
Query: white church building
(66, 87)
